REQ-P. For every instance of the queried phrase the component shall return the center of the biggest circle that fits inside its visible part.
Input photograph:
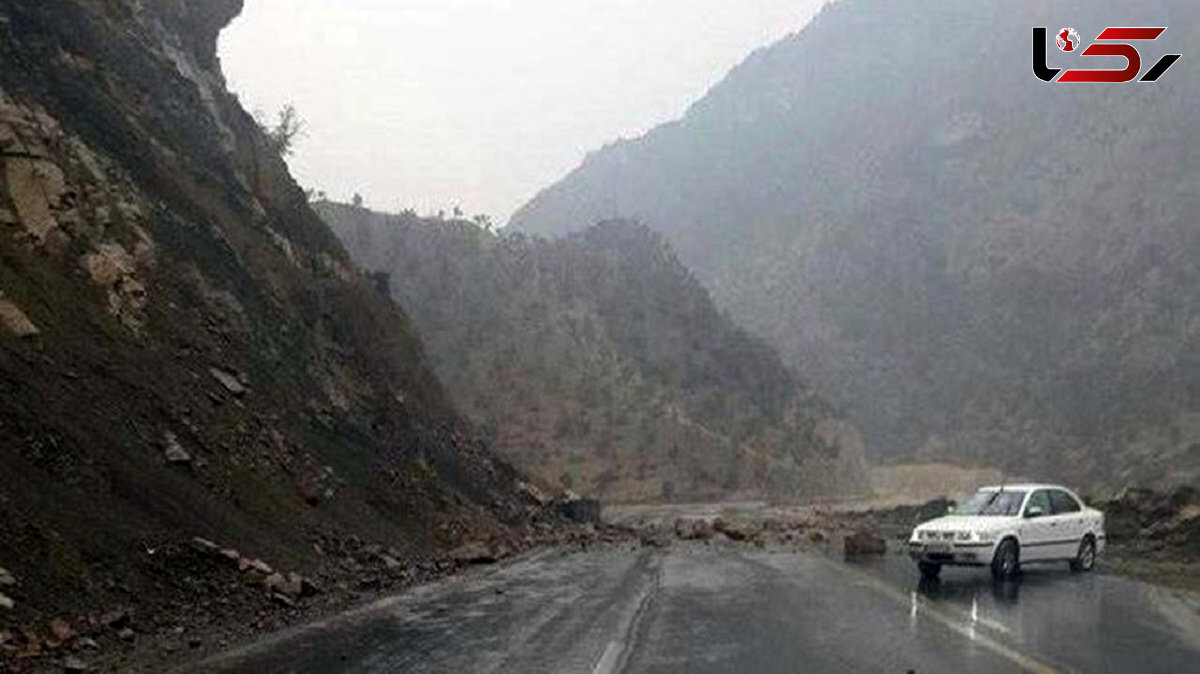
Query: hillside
(186, 350)
(980, 266)
(598, 364)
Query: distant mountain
(185, 348)
(979, 265)
(597, 363)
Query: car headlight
(974, 537)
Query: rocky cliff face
(598, 364)
(185, 349)
(980, 266)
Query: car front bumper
(959, 554)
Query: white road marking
(1181, 610)
(608, 661)
(923, 608)
(614, 658)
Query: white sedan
(1006, 526)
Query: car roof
(1023, 486)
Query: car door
(1066, 522)
(1037, 538)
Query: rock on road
(727, 608)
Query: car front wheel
(929, 570)
(1085, 559)
(1006, 563)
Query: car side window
(1063, 502)
(1039, 499)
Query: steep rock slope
(979, 265)
(599, 364)
(185, 348)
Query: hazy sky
(434, 103)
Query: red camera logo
(1115, 44)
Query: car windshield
(992, 502)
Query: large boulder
(932, 509)
(474, 553)
(654, 537)
(61, 632)
(582, 510)
(1155, 520)
(739, 530)
(13, 319)
(291, 585)
(173, 451)
(693, 529)
(864, 543)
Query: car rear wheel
(1006, 563)
(929, 570)
(1085, 559)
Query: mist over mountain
(981, 266)
(597, 363)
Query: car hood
(966, 523)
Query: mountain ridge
(599, 363)
(979, 266)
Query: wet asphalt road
(738, 609)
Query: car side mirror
(1034, 511)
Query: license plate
(937, 547)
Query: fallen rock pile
(1158, 523)
(283, 588)
(863, 544)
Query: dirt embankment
(211, 597)
(1155, 535)
(187, 351)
